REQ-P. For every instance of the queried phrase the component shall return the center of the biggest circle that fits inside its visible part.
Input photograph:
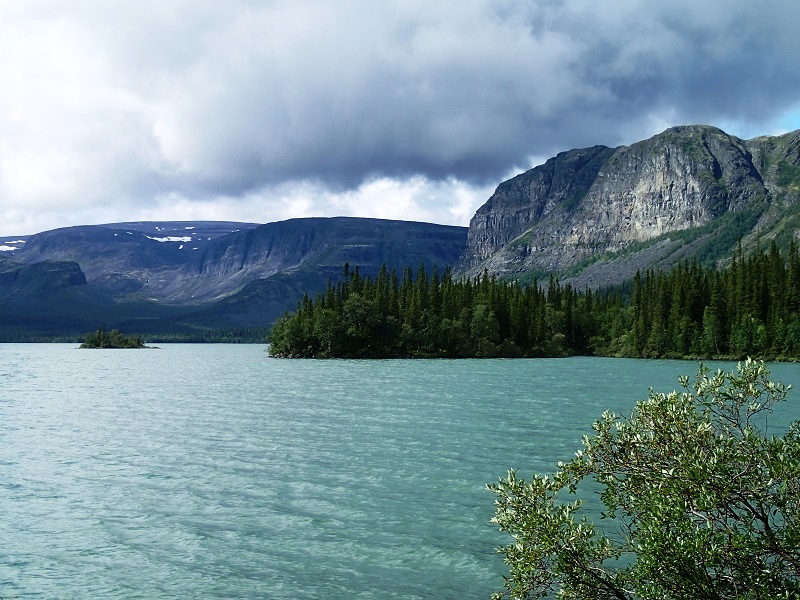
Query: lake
(214, 471)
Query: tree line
(751, 308)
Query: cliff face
(313, 249)
(275, 247)
(541, 193)
(598, 200)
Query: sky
(265, 110)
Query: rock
(598, 200)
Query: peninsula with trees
(751, 308)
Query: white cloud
(417, 198)
(258, 110)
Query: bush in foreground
(699, 502)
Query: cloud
(404, 109)
(413, 198)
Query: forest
(750, 308)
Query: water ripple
(215, 472)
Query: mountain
(193, 278)
(251, 278)
(22, 284)
(596, 215)
(120, 259)
(10, 244)
(310, 251)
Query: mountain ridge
(588, 202)
(139, 277)
(591, 216)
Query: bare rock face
(598, 200)
(777, 158)
(528, 199)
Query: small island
(112, 339)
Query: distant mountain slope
(311, 250)
(302, 255)
(11, 244)
(52, 300)
(120, 258)
(191, 233)
(586, 206)
(22, 284)
(148, 277)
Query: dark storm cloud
(139, 104)
(339, 93)
(702, 62)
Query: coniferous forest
(751, 308)
(111, 339)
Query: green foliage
(113, 339)
(789, 175)
(197, 335)
(522, 240)
(750, 309)
(699, 502)
(722, 235)
(433, 316)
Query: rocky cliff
(590, 202)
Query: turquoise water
(217, 472)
